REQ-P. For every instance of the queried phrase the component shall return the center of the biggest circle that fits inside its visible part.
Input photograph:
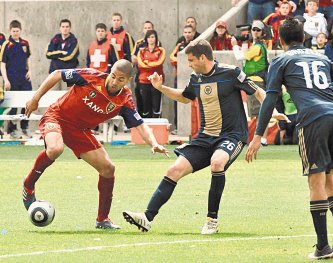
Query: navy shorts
(316, 145)
(199, 152)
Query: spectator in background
(101, 54)
(315, 22)
(326, 8)
(307, 37)
(63, 49)
(321, 41)
(150, 59)
(188, 36)
(16, 71)
(259, 9)
(329, 50)
(190, 21)
(276, 19)
(120, 37)
(255, 64)
(221, 39)
(148, 25)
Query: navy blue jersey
(15, 55)
(58, 59)
(307, 77)
(220, 101)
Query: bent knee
(107, 170)
(218, 165)
(175, 173)
(54, 151)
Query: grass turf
(261, 201)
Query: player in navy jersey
(222, 135)
(308, 78)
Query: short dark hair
(124, 66)
(188, 26)
(149, 22)
(202, 47)
(291, 31)
(100, 25)
(117, 14)
(65, 21)
(149, 33)
(15, 24)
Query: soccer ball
(41, 213)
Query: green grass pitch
(264, 215)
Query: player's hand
(156, 80)
(64, 52)
(31, 106)
(254, 147)
(160, 149)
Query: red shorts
(78, 140)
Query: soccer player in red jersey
(93, 98)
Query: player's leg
(318, 208)
(143, 221)
(226, 153)
(315, 153)
(100, 160)
(54, 147)
(191, 158)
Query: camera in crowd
(243, 32)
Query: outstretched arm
(150, 139)
(174, 94)
(47, 84)
(265, 114)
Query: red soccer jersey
(87, 103)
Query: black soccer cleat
(106, 224)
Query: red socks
(41, 163)
(105, 188)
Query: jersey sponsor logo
(92, 94)
(110, 107)
(208, 90)
(92, 106)
(242, 76)
(69, 74)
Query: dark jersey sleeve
(131, 117)
(243, 82)
(73, 76)
(189, 91)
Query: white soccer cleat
(138, 219)
(210, 226)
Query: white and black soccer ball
(41, 213)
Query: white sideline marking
(151, 244)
